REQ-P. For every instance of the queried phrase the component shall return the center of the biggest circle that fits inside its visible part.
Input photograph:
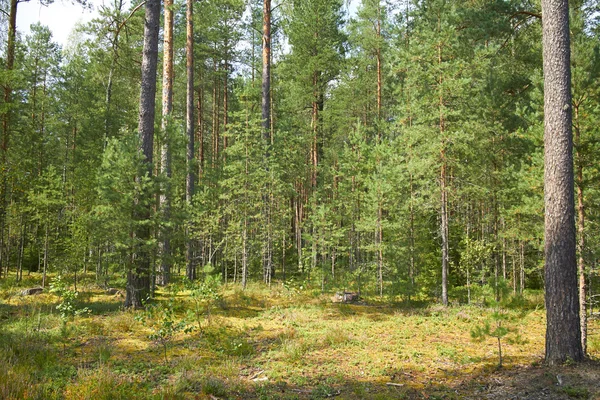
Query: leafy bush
(161, 319)
(67, 307)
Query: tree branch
(129, 17)
(527, 13)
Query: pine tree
(563, 333)
(138, 276)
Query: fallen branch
(262, 371)
(395, 384)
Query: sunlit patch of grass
(123, 322)
(594, 343)
(336, 337)
(293, 339)
(102, 384)
(293, 350)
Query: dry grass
(280, 344)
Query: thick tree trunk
(563, 333)
(411, 270)
(380, 249)
(189, 121)
(138, 276)
(167, 109)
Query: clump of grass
(289, 332)
(214, 386)
(447, 352)
(17, 383)
(462, 315)
(575, 392)
(94, 327)
(103, 351)
(123, 322)
(30, 350)
(336, 337)
(201, 382)
(102, 384)
(240, 347)
(346, 310)
(293, 350)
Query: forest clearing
(278, 343)
(358, 199)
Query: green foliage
(204, 294)
(350, 177)
(67, 307)
(500, 324)
(164, 325)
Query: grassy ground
(277, 344)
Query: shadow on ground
(525, 383)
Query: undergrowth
(259, 343)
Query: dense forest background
(405, 147)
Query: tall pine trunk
(138, 276)
(167, 109)
(189, 121)
(267, 137)
(563, 330)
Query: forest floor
(278, 343)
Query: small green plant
(204, 294)
(160, 318)
(67, 307)
(493, 328)
(499, 325)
